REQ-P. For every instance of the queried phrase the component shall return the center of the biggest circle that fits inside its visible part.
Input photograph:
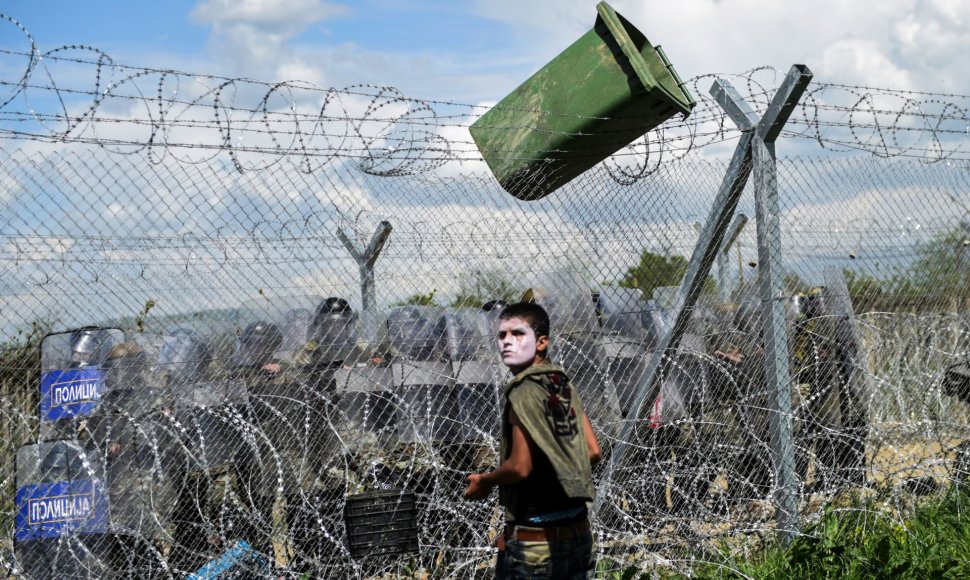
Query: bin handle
(673, 73)
(619, 33)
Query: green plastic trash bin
(607, 89)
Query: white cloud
(865, 63)
(286, 17)
(887, 42)
(252, 36)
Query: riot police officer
(89, 346)
(212, 422)
(333, 334)
(124, 429)
(294, 440)
(833, 424)
(314, 497)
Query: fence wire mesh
(250, 325)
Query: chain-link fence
(250, 327)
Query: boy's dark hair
(535, 315)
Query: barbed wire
(165, 201)
(157, 112)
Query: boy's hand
(477, 489)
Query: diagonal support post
(756, 136)
(740, 220)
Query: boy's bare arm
(513, 470)
(592, 444)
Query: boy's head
(523, 335)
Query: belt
(547, 534)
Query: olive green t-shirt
(549, 409)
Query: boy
(547, 447)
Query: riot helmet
(89, 346)
(813, 305)
(124, 365)
(495, 306)
(334, 329)
(183, 356)
(413, 334)
(257, 344)
(64, 461)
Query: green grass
(863, 542)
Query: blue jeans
(569, 558)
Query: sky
(463, 51)
(473, 51)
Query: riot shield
(621, 312)
(429, 408)
(61, 511)
(851, 348)
(131, 429)
(367, 405)
(72, 377)
(477, 373)
(854, 388)
(576, 346)
(292, 315)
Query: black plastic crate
(381, 523)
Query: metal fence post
(366, 258)
(765, 130)
(734, 231)
(775, 336)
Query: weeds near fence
(865, 540)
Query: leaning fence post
(740, 220)
(765, 131)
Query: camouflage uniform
(833, 425)
(739, 420)
(298, 467)
(212, 511)
(212, 420)
(124, 428)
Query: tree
(419, 300)
(655, 271)
(867, 292)
(941, 271)
(939, 279)
(479, 286)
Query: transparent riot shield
(621, 312)
(61, 520)
(209, 426)
(429, 408)
(72, 377)
(655, 321)
(623, 339)
(576, 344)
(131, 431)
(477, 372)
(840, 403)
(292, 315)
(367, 405)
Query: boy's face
(518, 343)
